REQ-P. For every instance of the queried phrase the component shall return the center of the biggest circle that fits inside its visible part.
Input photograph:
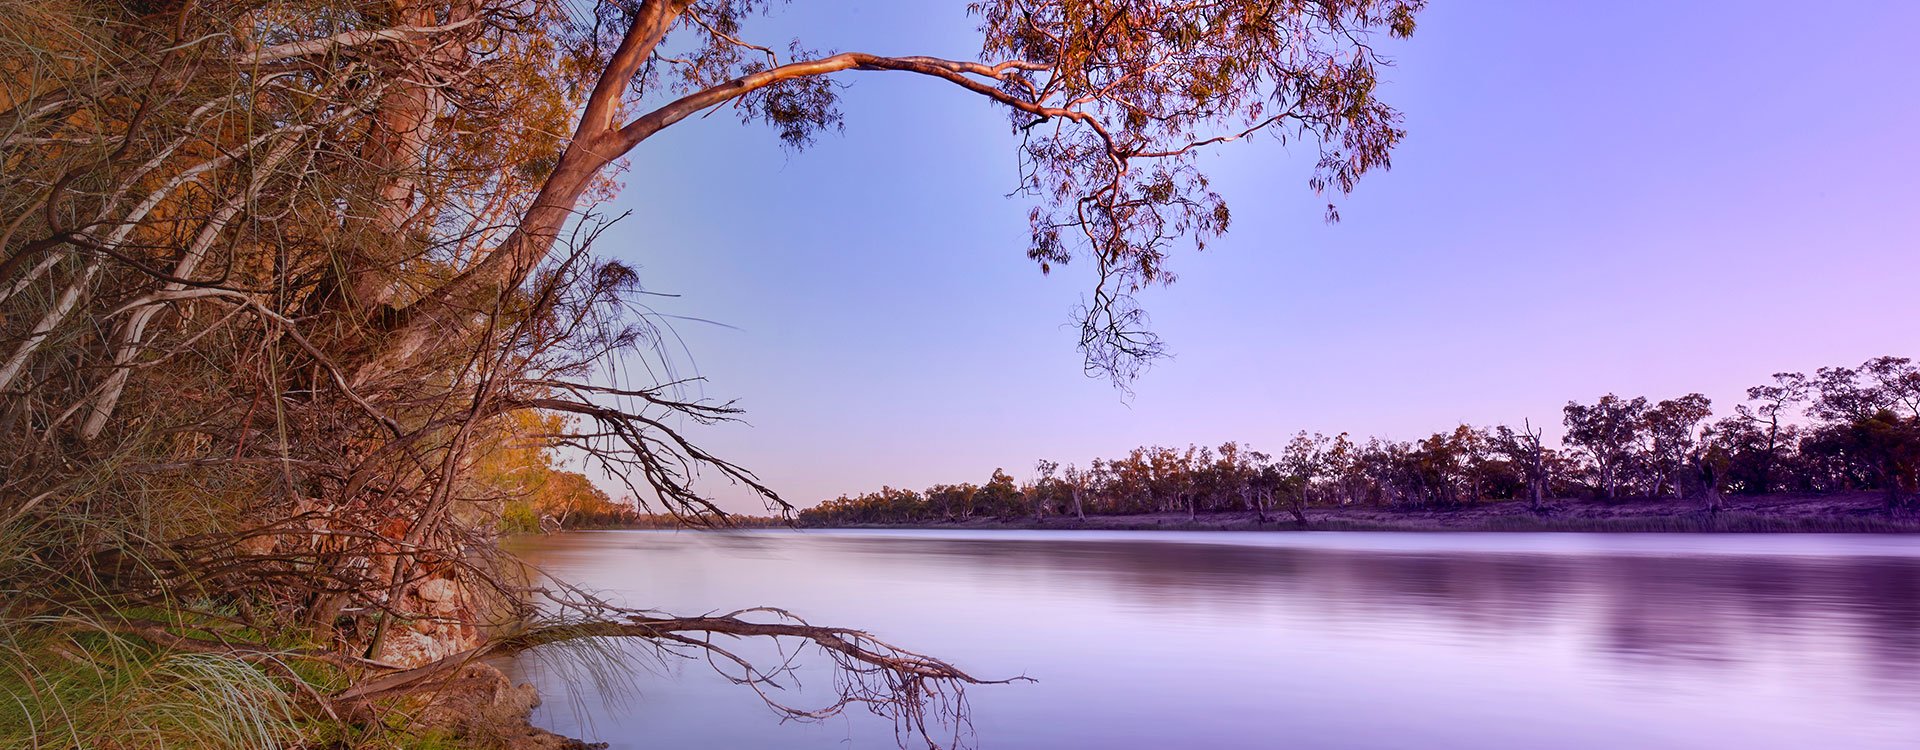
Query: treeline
(535, 494)
(1842, 429)
(612, 515)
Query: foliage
(295, 294)
(1864, 435)
(536, 493)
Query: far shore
(1859, 512)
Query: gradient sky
(1594, 196)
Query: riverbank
(1859, 512)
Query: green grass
(99, 690)
(89, 689)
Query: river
(1287, 640)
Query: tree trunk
(1890, 476)
(597, 142)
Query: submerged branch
(905, 686)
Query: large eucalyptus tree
(271, 270)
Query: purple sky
(1595, 196)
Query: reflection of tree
(1889, 609)
(1641, 611)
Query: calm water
(1319, 640)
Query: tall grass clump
(99, 690)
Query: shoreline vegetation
(1860, 512)
(1852, 513)
(1838, 450)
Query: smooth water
(1290, 640)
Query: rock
(439, 590)
(421, 642)
(484, 708)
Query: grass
(100, 690)
(71, 687)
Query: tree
(1343, 465)
(1672, 428)
(1872, 416)
(1524, 449)
(1847, 394)
(1045, 486)
(1763, 419)
(1302, 466)
(1000, 497)
(1235, 474)
(1709, 467)
(1606, 432)
(1077, 481)
(289, 266)
(1655, 448)
(1891, 445)
(1170, 481)
(953, 502)
(1114, 100)
(1129, 483)
(1484, 471)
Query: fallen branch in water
(892, 682)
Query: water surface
(1290, 640)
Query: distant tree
(1891, 444)
(1168, 481)
(1847, 394)
(1757, 436)
(1390, 472)
(1342, 463)
(1077, 482)
(1434, 465)
(1606, 432)
(1615, 446)
(1301, 463)
(1000, 497)
(1456, 468)
(1881, 450)
(1045, 486)
(1872, 424)
(1673, 433)
(1236, 476)
(1485, 472)
(1128, 483)
(1709, 466)
(1267, 483)
(1524, 449)
(952, 502)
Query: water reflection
(1349, 640)
(1684, 609)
